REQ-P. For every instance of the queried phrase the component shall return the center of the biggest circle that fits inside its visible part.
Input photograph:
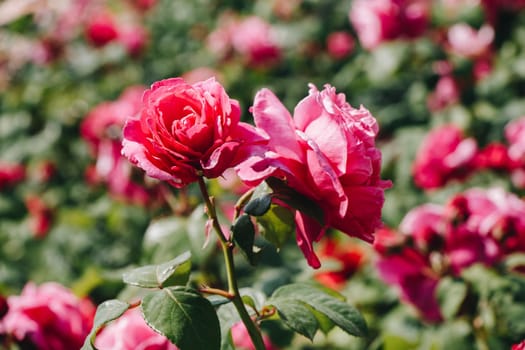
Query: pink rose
(408, 269)
(102, 130)
(377, 21)
(444, 155)
(520, 346)
(134, 38)
(494, 156)
(340, 44)
(515, 135)
(186, 130)
(254, 39)
(446, 93)
(101, 29)
(48, 316)
(11, 174)
(242, 341)
(469, 42)
(40, 216)
(130, 332)
(495, 215)
(327, 153)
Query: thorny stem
(227, 249)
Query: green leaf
(171, 273)
(244, 236)
(259, 205)
(339, 312)
(277, 225)
(106, 312)
(182, 315)
(298, 316)
(450, 294)
(295, 199)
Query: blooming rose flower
(495, 215)
(101, 29)
(444, 155)
(130, 332)
(48, 316)
(377, 21)
(340, 44)
(186, 130)
(476, 226)
(102, 130)
(327, 153)
(468, 42)
(11, 174)
(253, 38)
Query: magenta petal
(220, 159)
(271, 116)
(308, 231)
(134, 150)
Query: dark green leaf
(277, 225)
(450, 294)
(186, 318)
(173, 272)
(106, 312)
(339, 312)
(259, 205)
(244, 236)
(298, 316)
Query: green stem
(233, 289)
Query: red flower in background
(251, 37)
(377, 21)
(445, 93)
(101, 29)
(445, 154)
(102, 129)
(49, 316)
(11, 174)
(494, 156)
(184, 131)
(476, 226)
(340, 44)
(40, 216)
(349, 258)
(326, 152)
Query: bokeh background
(444, 78)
